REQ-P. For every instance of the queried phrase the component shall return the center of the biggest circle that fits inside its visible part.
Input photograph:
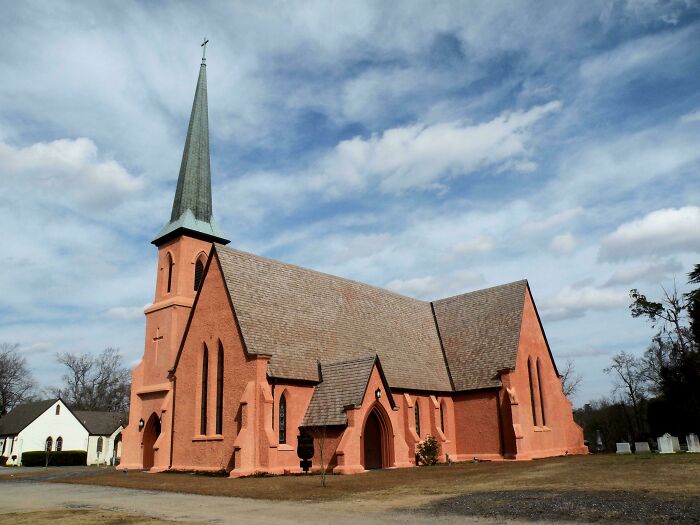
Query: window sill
(543, 429)
(285, 448)
(213, 437)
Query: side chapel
(244, 353)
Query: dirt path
(23, 497)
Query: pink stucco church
(243, 354)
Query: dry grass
(668, 476)
(78, 517)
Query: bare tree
(570, 379)
(319, 435)
(95, 382)
(630, 383)
(669, 315)
(16, 382)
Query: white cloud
(481, 244)
(68, 167)
(563, 244)
(432, 287)
(126, 313)
(652, 272)
(671, 230)
(572, 301)
(421, 156)
(693, 116)
(552, 221)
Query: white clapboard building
(50, 424)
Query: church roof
(343, 384)
(480, 332)
(299, 316)
(22, 415)
(192, 206)
(101, 423)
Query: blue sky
(428, 148)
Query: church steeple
(192, 209)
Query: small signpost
(305, 450)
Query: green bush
(3, 461)
(63, 458)
(429, 451)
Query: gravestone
(665, 444)
(623, 448)
(641, 447)
(599, 441)
(693, 443)
(676, 444)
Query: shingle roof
(343, 384)
(300, 316)
(480, 333)
(101, 423)
(22, 415)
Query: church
(244, 354)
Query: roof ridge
(339, 277)
(480, 290)
(350, 360)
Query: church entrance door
(373, 441)
(150, 433)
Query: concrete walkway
(25, 496)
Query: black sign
(305, 464)
(305, 446)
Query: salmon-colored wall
(213, 324)
(151, 389)
(478, 430)
(533, 439)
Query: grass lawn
(665, 476)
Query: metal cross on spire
(204, 50)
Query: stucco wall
(558, 433)
(476, 418)
(212, 324)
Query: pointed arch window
(59, 444)
(198, 274)
(220, 390)
(530, 374)
(416, 413)
(49, 443)
(170, 265)
(58, 409)
(100, 445)
(205, 377)
(539, 385)
(282, 419)
(442, 416)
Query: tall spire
(192, 209)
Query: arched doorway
(377, 440)
(116, 452)
(150, 433)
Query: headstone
(693, 443)
(641, 447)
(599, 441)
(665, 444)
(623, 448)
(676, 444)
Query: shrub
(62, 458)
(428, 451)
(3, 461)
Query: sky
(428, 148)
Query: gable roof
(300, 316)
(22, 415)
(343, 384)
(101, 423)
(480, 333)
